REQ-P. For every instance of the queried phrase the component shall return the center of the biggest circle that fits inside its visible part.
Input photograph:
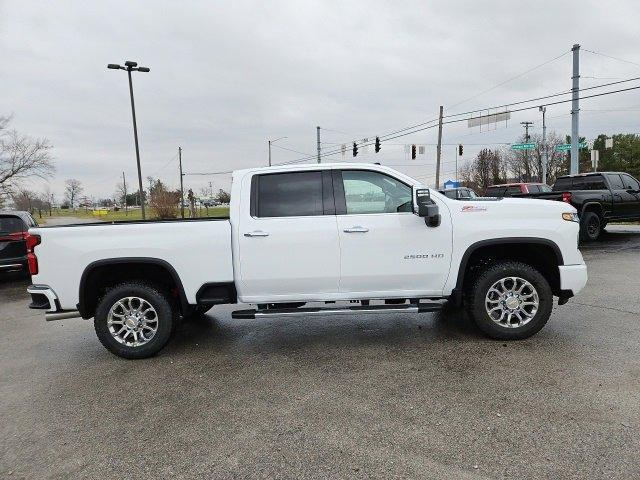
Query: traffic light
(413, 152)
(377, 148)
(460, 150)
(355, 149)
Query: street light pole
(131, 67)
(273, 141)
(135, 137)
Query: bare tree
(46, 197)
(72, 190)
(21, 157)
(526, 165)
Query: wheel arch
(135, 268)
(595, 207)
(527, 249)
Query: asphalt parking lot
(394, 396)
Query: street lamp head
(114, 66)
(129, 63)
(143, 69)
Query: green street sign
(563, 147)
(523, 146)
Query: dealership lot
(379, 396)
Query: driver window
(374, 192)
(630, 182)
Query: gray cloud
(225, 76)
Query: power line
(611, 57)
(405, 132)
(164, 166)
(431, 123)
(289, 149)
(509, 80)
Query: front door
(288, 240)
(632, 198)
(387, 250)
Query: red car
(15, 242)
(510, 189)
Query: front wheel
(510, 301)
(134, 320)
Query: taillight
(566, 197)
(32, 260)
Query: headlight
(570, 217)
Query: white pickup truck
(314, 240)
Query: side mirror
(426, 208)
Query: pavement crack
(606, 308)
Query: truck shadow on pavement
(216, 331)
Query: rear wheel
(134, 320)
(510, 301)
(590, 226)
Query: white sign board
(488, 119)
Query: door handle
(256, 233)
(356, 229)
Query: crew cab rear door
(386, 250)
(288, 240)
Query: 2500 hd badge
(424, 256)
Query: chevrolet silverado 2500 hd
(365, 235)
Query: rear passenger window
(562, 184)
(289, 194)
(513, 190)
(533, 188)
(594, 182)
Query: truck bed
(199, 250)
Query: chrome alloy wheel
(512, 302)
(132, 321)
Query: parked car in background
(512, 189)
(460, 193)
(599, 197)
(14, 240)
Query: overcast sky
(226, 76)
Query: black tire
(156, 298)
(590, 226)
(476, 295)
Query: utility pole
(545, 154)
(124, 185)
(181, 183)
(457, 149)
(575, 110)
(318, 133)
(526, 126)
(439, 149)
(269, 152)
